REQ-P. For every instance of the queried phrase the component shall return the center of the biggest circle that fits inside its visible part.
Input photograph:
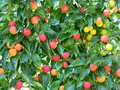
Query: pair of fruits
(12, 26)
(14, 49)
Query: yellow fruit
(93, 32)
(12, 52)
(104, 32)
(84, 41)
(103, 53)
(104, 25)
(86, 29)
(112, 3)
(89, 43)
(98, 20)
(109, 47)
(90, 28)
(39, 67)
(100, 25)
(89, 37)
(101, 79)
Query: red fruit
(47, 10)
(56, 57)
(37, 78)
(11, 23)
(56, 40)
(34, 20)
(87, 85)
(32, 0)
(66, 55)
(46, 19)
(27, 32)
(46, 69)
(83, 10)
(64, 8)
(42, 37)
(53, 45)
(65, 65)
(107, 68)
(19, 84)
(104, 38)
(106, 13)
(93, 67)
(117, 72)
(76, 36)
(39, 16)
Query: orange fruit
(98, 20)
(64, 8)
(101, 79)
(115, 9)
(13, 30)
(18, 47)
(84, 41)
(37, 78)
(54, 72)
(12, 52)
(93, 67)
(33, 5)
(34, 20)
(2, 70)
(62, 87)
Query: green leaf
(55, 85)
(38, 84)
(54, 22)
(70, 86)
(85, 73)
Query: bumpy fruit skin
(37, 78)
(13, 30)
(42, 37)
(64, 8)
(66, 55)
(2, 70)
(54, 72)
(53, 45)
(117, 72)
(18, 47)
(46, 69)
(19, 84)
(83, 10)
(34, 20)
(112, 3)
(56, 57)
(109, 47)
(47, 10)
(93, 67)
(98, 20)
(104, 38)
(33, 5)
(101, 79)
(107, 68)
(106, 13)
(62, 87)
(27, 32)
(65, 65)
(87, 85)
(76, 36)
(12, 52)
(11, 23)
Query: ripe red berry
(53, 45)
(106, 13)
(64, 8)
(65, 65)
(76, 36)
(56, 57)
(56, 40)
(93, 67)
(66, 55)
(11, 23)
(47, 10)
(46, 19)
(39, 16)
(19, 84)
(87, 85)
(42, 37)
(117, 72)
(104, 38)
(83, 10)
(107, 68)
(37, 78)
(46, 69)
(27, 32)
